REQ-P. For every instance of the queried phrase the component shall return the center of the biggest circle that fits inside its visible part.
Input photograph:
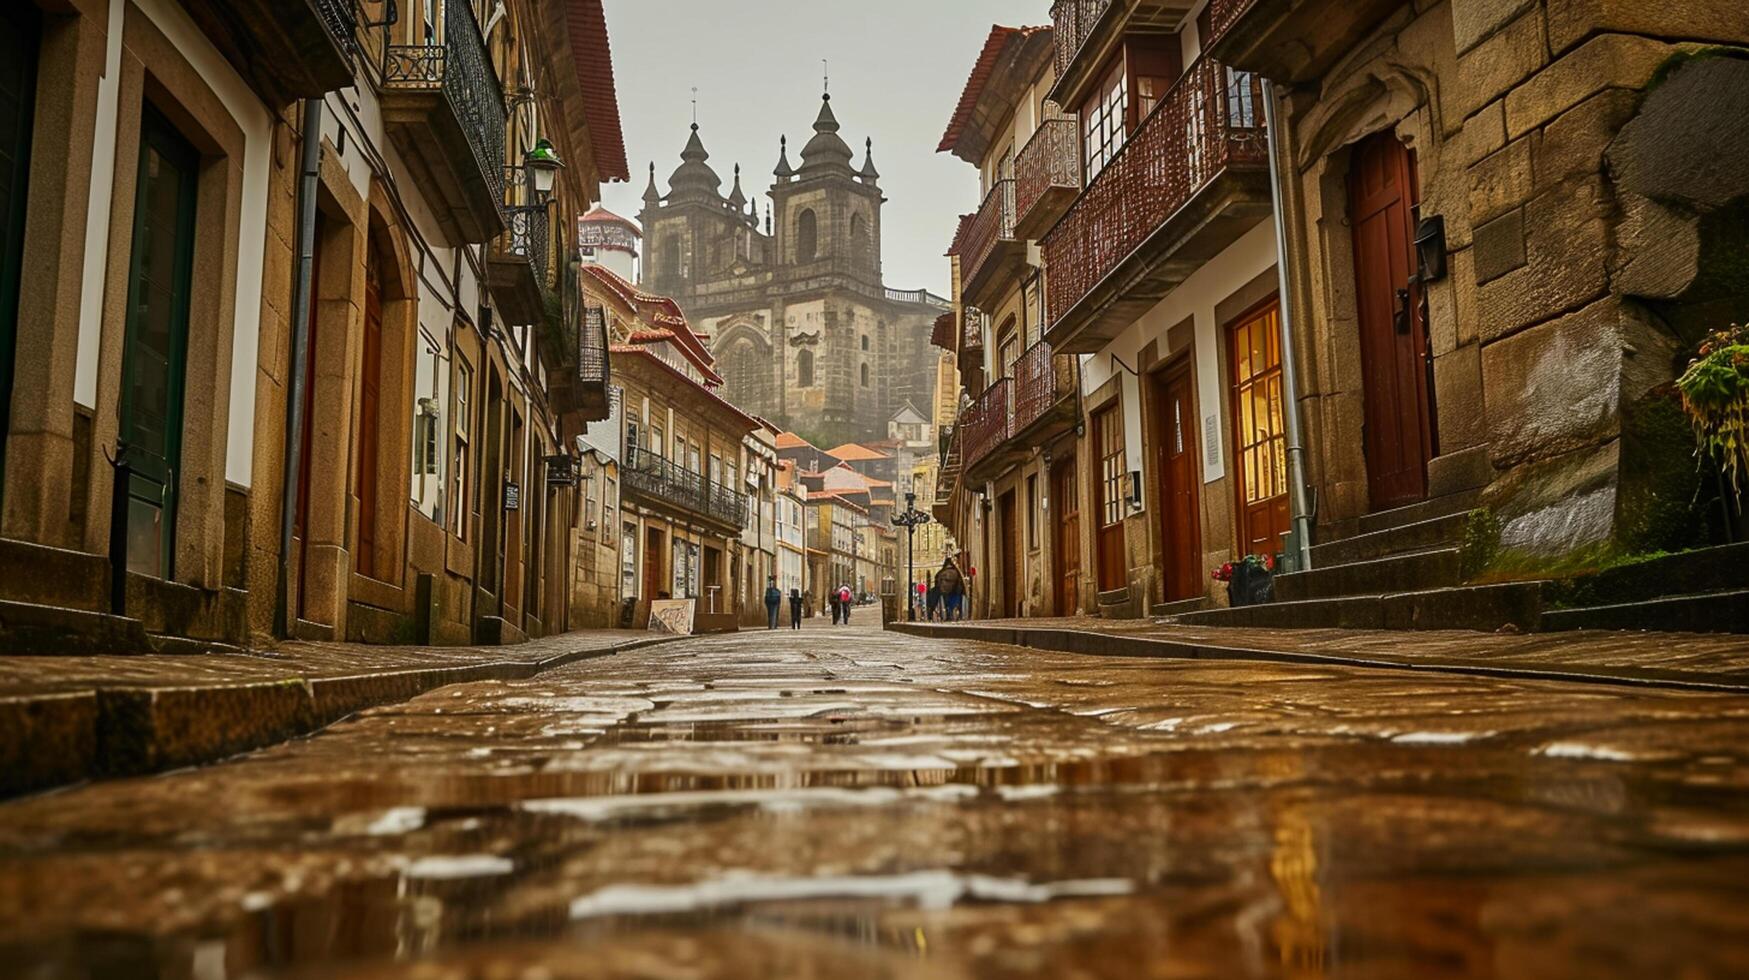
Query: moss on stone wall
(1660, 493)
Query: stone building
(802, 325)
(180, 157)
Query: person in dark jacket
(933, 600)
(773, 599)
(952, 586)
(795, 609)
(837, 610)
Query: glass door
(155, 347)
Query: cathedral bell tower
(828, 213)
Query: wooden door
(20, 30)
(1066, 497)
(155, 347)
(370, 380)
(652, 564)
(1010, 558)
(1180, 480)
(1260, 440)
(1108, 500)
(1393, 334)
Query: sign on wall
(561, 470)
(512, 495)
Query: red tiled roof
(599, 215)
(594, 57)
(623, 350)
(851, 452)
(662, 311)
(995, 46)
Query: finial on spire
(695, 107)
(826, 78)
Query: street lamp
(543, 165)
(911, 520)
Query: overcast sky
(897, 69)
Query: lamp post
(911, 520)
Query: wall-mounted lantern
(1430, 248)
(543, 165)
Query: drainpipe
(1299, 551)
(299, 393)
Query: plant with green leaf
(1715, 394)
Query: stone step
(1425, 510)
(1413, 572)
(28, 628)
(1427, 535)
(1163, 609)
(1480, 607)
(1716, 569)
(1707, 612)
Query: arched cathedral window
(859, 241)
(807, 236)
(805, 369)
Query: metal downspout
(1299, 556)
(308, 171)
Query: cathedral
(804, 331)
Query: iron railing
(1042, 379)
(1074, 20)
(1210, 120)
(994, 223)
(341, 18)
(593, 367)
(1223, 14)
(526, 237)
(923, 296)
(654, 477)
(1052, 158)
(461, 68)
(987, 422)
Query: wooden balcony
(444, 110)
(1089, 32)
(1047, 176)
(286, 49)
(984, 427)
(1291, 40)
(991, 253)
(1192, 179)
(516, 264)
(1045, 385)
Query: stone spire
(694, 175)
(652, 196)
(827, 150)
(869, 173)
(784, 171)
(737, 199)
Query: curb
(54, 739)
(1105, 645)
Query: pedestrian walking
(952, 586)
(933, 602)
(845, 601)
(795, 609)
(773, 599)
(837, 607)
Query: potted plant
(1250, 580)
(1715, 396)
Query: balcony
(984, 426)
(1045, 385)
(286, 49)
(516, 265)
(444, 110)
(1291, 40)
(1089, 33)
(991, 252)
(662, 484)
(1047, 176)
(1193, 178)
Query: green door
(155, 350)
(19, 31)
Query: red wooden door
(1066, 495)
(1260, 441)
(1393, 336)
(1010, 556)
(1108, 498)
(1180, 527)
(370, 372)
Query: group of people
(945, 599)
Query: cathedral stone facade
(804, 331)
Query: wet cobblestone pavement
(858, 803)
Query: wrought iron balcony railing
(527, 237)
(1223, 14)
(1211, 119)
(987, 422)
(341, 16)
(593, 366)
(652, 476)
(1042, 379)
(994, 223)
(1050, 160)
(461, 68)
(1074, 20)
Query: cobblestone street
(860, 803)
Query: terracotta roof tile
(995, 47)
(594, 57)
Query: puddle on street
(1002, 813)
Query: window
(634, 430)
(1102, 123)
(1111, 467)
(628, 560)
(1032, 513)
(428, 22)
(865, 375)
(807, 236)
(464, 389)
(805, 369)
(859, 244)
(865, 341)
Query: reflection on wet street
(856, 803)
